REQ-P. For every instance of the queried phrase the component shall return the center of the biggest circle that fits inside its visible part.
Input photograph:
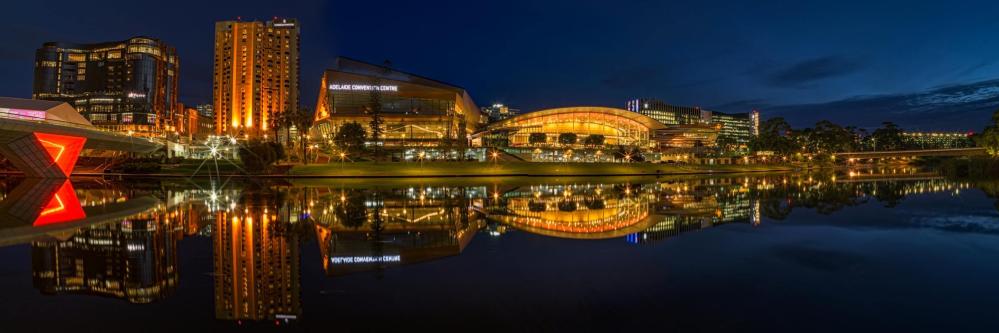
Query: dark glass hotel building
(128, 86)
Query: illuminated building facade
(692, 137)
(937, 140)
(127, 86)
(416, 111)
(736, 129)
(184, 123)
(134, 260)
(257, 264)
(256, 75)
(614, 126)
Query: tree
(594, 140)
(350, 138)
(567, 138)
(828, 137)
(621, 153)
(258, 156)
(275, 122)
(775, 135)
(888, 137)
(636, 155)
(303, 122)
(287, 121)
(989, 138)
(537, 138)
(352, 212)
(725, 143)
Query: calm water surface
(866, 251)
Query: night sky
(925, 66)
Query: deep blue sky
(856, 62)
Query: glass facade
(669, 114)
(129, 85)
(416, 112)
(736, 128)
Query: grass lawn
(412, 169)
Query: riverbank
(513, 169)
(363, 170)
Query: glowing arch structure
(617, 126)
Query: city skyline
(872, 71)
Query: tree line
(826, 137)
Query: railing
(44, 120)
(914, 151)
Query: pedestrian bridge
(950, 152)
(44, 138)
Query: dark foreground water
(787, 252)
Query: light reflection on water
(126, 244)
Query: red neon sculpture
(64, 150)
(63, 206)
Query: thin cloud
(810, 71)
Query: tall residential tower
(256, 75)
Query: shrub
(258, 156)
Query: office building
(669, 114)
(126, 86)
(736, 129)
(256, 75)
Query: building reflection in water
(361, 230)
(257, 234)
(574, 211)
(135, 260)
(257, 261)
